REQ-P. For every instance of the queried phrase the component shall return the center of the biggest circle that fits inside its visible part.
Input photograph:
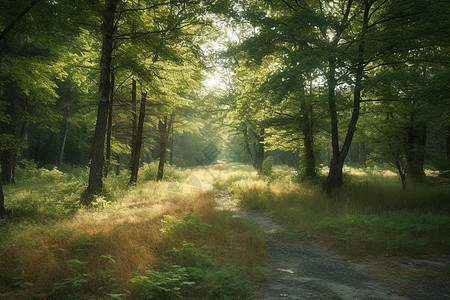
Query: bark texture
(259, 151)
(163, 129)
(307, 128)
(138, 143)
(97, 153)
(335, 178)
(109, 127)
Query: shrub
(149, 171)
(163, 285)
(267, 166)
(196, 276)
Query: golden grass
(128, 230)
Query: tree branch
(20, 16)
(290, 6)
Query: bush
(163, 285)
(192, 273)
(267, 166)
(149, 171)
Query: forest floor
(302, 269)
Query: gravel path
(300, 270)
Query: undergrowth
(370, 216)
(138, 242)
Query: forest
(125, 125)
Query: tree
(151, 28)
(164, 131)
(138, 141)
(98, 145)
(344, 43)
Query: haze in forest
(331, 116)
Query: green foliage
(72, 285)
(254, 198)
(371, 215)
(191, 224)
(149, 171)
(192, 273)
(44, 195)
(390, 233)
(267, 166)
(80, 283)
(163, 285)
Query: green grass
(133, 243)
(370, 216)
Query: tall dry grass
(95, 252)
(370, 216)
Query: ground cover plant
(143, 242)
(371, 216)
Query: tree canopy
(114, 83)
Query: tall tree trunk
(109, 127)
(2, 201)
(138, 144)
(247, 140)
(98, 144)
(64, 139)
(334, 178)
(307, 128)
(8, 159)
(416, 139)
(259, 151)
(134, 120)
(447, 147)
(401, 166)
(163, 138)
(171, 137)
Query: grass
(133, 243)
(370, 216)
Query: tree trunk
(307, 128)
(2, 201)
(334, 178)
(8, 160)
(137, 147)
(109, 128)
(63, 143)
(259, 151)
(247, 140)
(401, 169)
(171, 138)
(98, 144)
(16, 20)
(447, 147)
(163, 138)
(134, 120)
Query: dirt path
(301, 270)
